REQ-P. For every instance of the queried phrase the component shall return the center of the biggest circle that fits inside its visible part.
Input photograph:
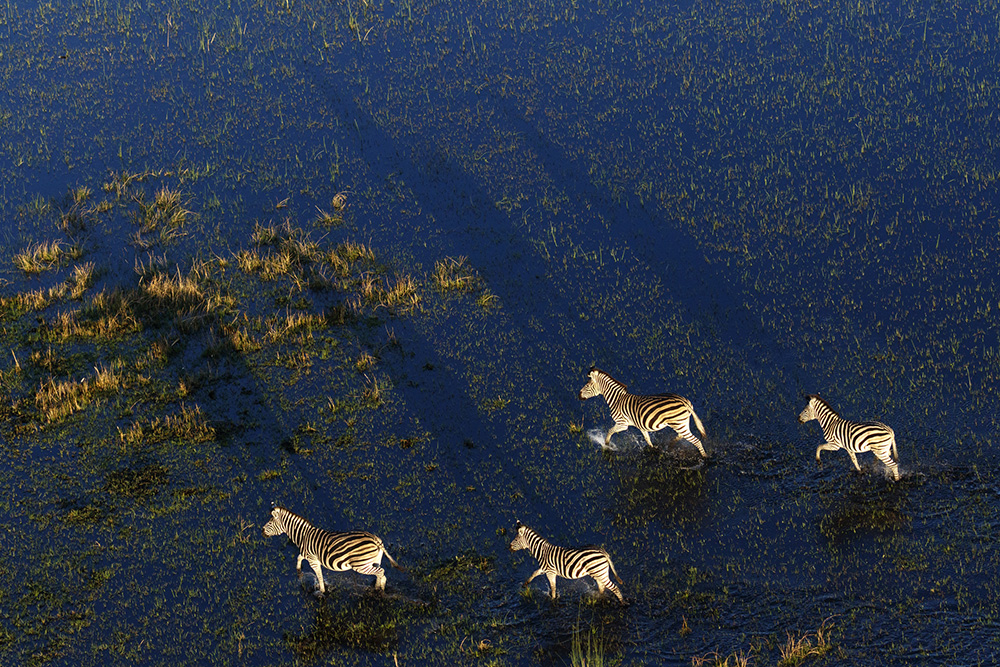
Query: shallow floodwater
(357, 259)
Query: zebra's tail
(392, 560)
(697, 422)
(612, 567)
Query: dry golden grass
(159, 298)
(715, 660)
(365, 361)
(44, 256)
(165, 217)
(241, 341)
(57, 400)
(303, 323)
(292, 252)
(189, 425)
(81, 194)
(327, 219)
(339, 201)
(108, 315)
(120, 181)
(249, 261)
(166, 198)
(265, 235)
(73, 287)
(795, 651)
(175, 292)
(158, 353)
(46, 360)
(81, 280)
(402, 293)
(453, 274)
(487, 300)
(373, 391)
(354, 252)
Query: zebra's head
(274, 526)
(519, 542)
(591, 389)
(810, 410)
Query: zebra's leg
(854, 459)
(533, 575)
(373, 569)
(645, 434)
(615, 429)
(601, 579)
(317, 569)
(614, 589)
(826, 447)
(890, 464)
(298, 563)
(551, 576)
(684, 431)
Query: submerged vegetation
(353, 258)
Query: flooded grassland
(357, 258)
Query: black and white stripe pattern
(358, 550)
(556, 561)
(854, 437)
(646, 413)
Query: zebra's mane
(610, 377)
(531, 531)
(822, 401)
(293, 515)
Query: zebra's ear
(518, 524)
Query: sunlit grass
(453, 273)
(56, 400)
(586, 649)
(46, 255)
(739, 659)
(795, 650)
(188, 424)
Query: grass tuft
(327, 219)
(451, 274)
(58, 400)
(739, 659)
(586, 649)
(795, 651)
(44, 256)
(189, 425)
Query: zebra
(854, 437)
(566, 563)
(357, 550)
(645, 412)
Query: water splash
(623, 441)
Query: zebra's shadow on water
(652, 487)
(862, 506)
(351, 615)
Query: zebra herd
(362, 551)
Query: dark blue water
(741, 205)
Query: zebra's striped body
(854, 437)
(556, 561)
(645, 412)
(357, 550)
